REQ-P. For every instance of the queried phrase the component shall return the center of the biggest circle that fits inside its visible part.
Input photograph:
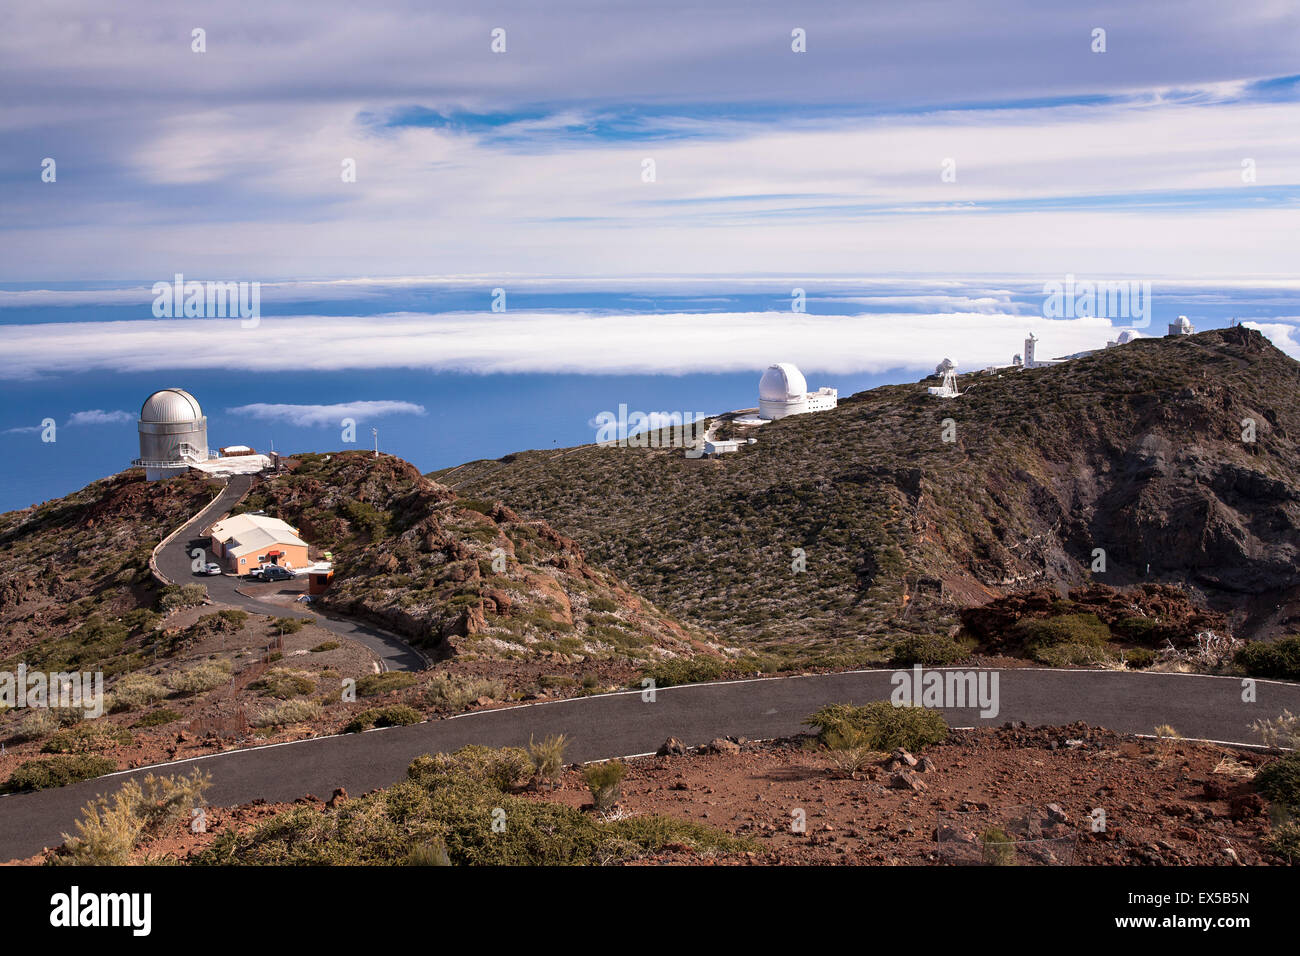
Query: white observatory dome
(171, 405)
(782, 391)
(1128, 335)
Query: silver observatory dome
(173, 433)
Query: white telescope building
(783, 391)
(173, 434)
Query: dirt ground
(1174, 803)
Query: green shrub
(1139, 658)
(433, 853)
(455, 693)
(1086, 630)
(283, 683)
(1285, 841)
(1280, 659)
(372, 685)
(501, 768)
(86, 738)
(175, 596)
(137, 690)
(326, 646)
(198, 679)
(288, 712)
(158, 718)
(43, 773)
(547, 757)
(928, 650)
(109, 832)
(1066, 655)
(685, 670)
(1280, 780)
(440, 801)
(37, 724)
(603, 780)
(879, 726)
(395, 715)
(998, 848)
(287, 625)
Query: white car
(212, 569)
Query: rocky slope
(1138, 451)
(462, 576)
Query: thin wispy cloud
(332, 414)
(97, 416)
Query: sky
(228, 163)
(647, 184)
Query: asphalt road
(623, 725)
(175, 562)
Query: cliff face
(1143, 452)
(461, 576)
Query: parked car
(212, 569)
(273, 572)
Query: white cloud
(309, 415)
(97, 416)
(545, 342)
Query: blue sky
(227, 163)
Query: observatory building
(783, 391)
(1182, 327)
(173, 434)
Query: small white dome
(1128, 335)
(782, 382)
(171, 405)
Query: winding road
(174, 563)
(623, 724)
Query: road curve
(174, 562)
(623, 724)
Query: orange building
(245, 542)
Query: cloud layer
(309, 415)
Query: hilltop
(1137, 450)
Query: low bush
(1285, 840)
(372, 685)
(879, 726)
(133, 691)
(455, 693)
(109, 831)
(86, 738)
(547, 757)
(1280, 781)
(288, 712)
(326, 646)
(198, 679)
(604, 780)
(43, 773)
(287, 625)
(443, 803)
(37, 724)
(175, 596)
(1279, 659)
(283, 683)
(501, 768)
(1139, 658)
(684, 670)
(1084, 630)
(998, 848)
(928, 650)
(395, 715)
(158, 718)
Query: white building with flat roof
(783, 391)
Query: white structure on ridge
(1182, 327)
(173, 434)
(947, 369)
(1124, 338)
(783, 391)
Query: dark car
(273, 572)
